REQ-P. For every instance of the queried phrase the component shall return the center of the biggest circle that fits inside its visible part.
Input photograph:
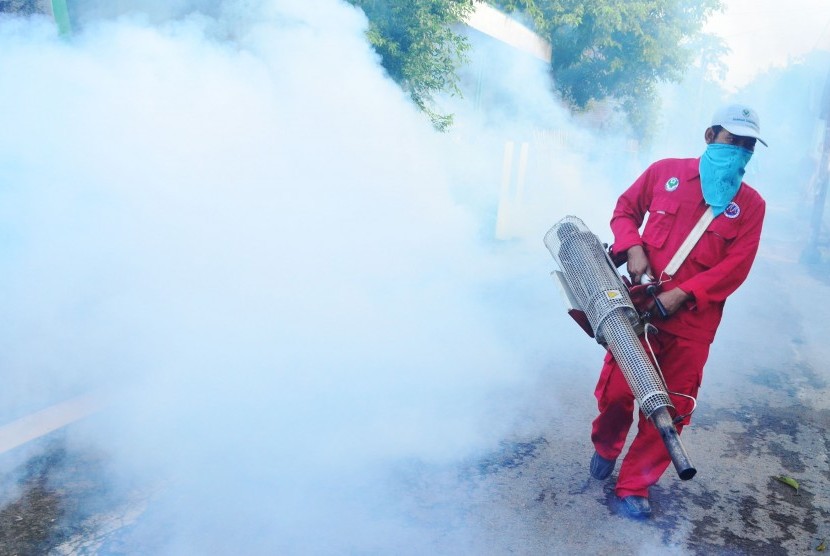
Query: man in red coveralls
(675, 193)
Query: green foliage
(617, 49)
(418, 47)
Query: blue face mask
(722, 168)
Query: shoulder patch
(732, 210)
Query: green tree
(618, 49)
(418, 47)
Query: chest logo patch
(732, 210)
(672, 184)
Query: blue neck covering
(722, 168)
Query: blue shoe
(601, 468)
(637, 507)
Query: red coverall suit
(669, 191)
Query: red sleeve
(717, 283)
(631, 211)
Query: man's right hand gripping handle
(638, 265)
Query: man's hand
(638, 264)
(672, 300)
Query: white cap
(739, 119)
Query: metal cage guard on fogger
(592, 285)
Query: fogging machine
(599, 301)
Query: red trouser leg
(682, 364)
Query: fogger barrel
(594, 284)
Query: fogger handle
(671, 438)
(653, 290)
